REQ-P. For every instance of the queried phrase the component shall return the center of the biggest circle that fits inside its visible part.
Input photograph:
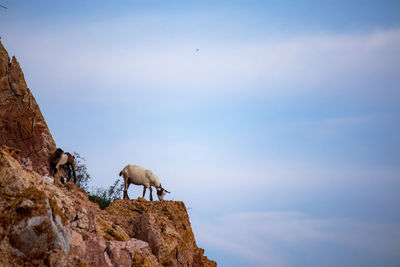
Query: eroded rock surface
(22, 125)
(45, 225)
(165, 226)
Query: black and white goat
(59, 158)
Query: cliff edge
(22, 125)
(45, 225)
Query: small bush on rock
(104, 197)
(82, 176)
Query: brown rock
(165, 226)
(131, 253)
(22, 125)
(30, 222)
(45, 225)
(4, 60)
(14, 152)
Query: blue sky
(281, 134)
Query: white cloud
(259, 237)
(301, 63)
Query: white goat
(137, 175)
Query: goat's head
(54, 158)
(57, 154)
(161, 193)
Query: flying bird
(3, 6)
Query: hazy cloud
(300, 63)
(261, 231)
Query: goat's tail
(120, 173)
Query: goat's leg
(144, 191)
(126, 191)
(57, 167)
(57, 174)
(56, 171)
(73, 171)
(126, 195)
(151, 194)
(68, 168)
(52, 169)
(56, 179)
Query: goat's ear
(167, 191)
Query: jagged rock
(165, 226)
(131, 253)
(31, 221)
(35, 235)
(4, 60)
(22, 125)
(42, 224)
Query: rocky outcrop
(22, 125)
(165, 226)
(45, 225)
(42, 224)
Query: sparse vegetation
(103, 196)
(82, 176)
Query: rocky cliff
(22, 125)
(45, 225)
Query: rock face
(22, 125)
(45, 225)
(165, 226)
(42, 224)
